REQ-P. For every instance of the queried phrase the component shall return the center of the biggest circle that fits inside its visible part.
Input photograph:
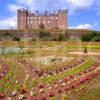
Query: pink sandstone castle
(29, 20)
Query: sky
(82, 14)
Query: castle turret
(22, 18)
(62, 19)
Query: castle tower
(62, 19)
(22, 18)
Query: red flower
(66, 88)
(59, 91)
(43, 98)
(66, 79)
(2, 95)
(41, 86)
(82, 80)
(31, 98)
(0, 76)
(94, 67)
(23, 91)
(50, 94)
(75, 84)
(71, 76)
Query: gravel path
(81, 53)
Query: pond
(10, 50)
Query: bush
(7, 36)
(45, 36)
(96, 39)
(92, 36)
(16, 39)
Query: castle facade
(34, 20)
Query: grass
(91, 94)
(9, 80)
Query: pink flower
(2, 95)
(98, 60)
(31, 98)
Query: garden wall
(31, 33)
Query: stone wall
(31, 33)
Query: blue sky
(82, 14)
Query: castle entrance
(41, 26)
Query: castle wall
(31, 33)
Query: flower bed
(21, 82)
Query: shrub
(45, 36)
(16, 39)
(92, 36)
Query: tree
(91, 36)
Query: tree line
(91, 36)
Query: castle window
(56, 17)
(48, 22)
(52, 17)
(21, 17)
(35, 22)
(39, 22)
(44, 22)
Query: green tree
(91, 36)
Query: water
(10, 50)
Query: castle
(29, 24)
(54, 20)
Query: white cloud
(8, 23)
(75, 5)
(30, 4)
(14, 7)
(72, 5)
(83, 26)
